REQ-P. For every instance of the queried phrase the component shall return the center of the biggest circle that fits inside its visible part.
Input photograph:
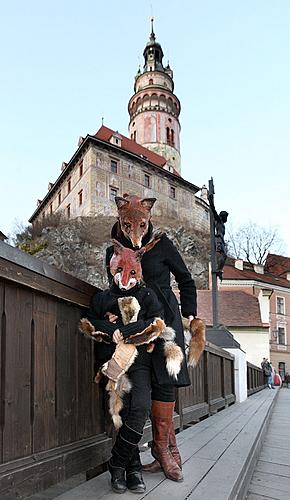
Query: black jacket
(107, 301)
(157, 266)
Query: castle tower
(154, 109)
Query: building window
(172, 137)
(114, 166)
(81, 168)
(80, 197)
(147, 182)
(68, 211)
(172, 192)
(69, 185)
(282, 371)
(151, 81)
(113, 193)
(281, 335)
(134, 135)
(59, 197)
(50, 208)
(43, 215)
(280, 305)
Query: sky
(65, 64)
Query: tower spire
(152, 35)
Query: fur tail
(197, 342)
(116, 392)
(174, 358)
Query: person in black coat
(157, 266)
(136, 404)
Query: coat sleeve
(94, 315)
(183, 277)
(109, 253)
(152, 308)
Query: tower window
(172, 137)
(80, 197)
(113, 193)
(59, 197)
(147, 179)
(114, 166)
(134, 135)
(50, 208)
(168, 135)
(69, 185)
(81, 168)
(68, 211)
(150, 81)
(172, 192)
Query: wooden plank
(17, 400)
(44, 373)
(269, 493)
(275, 455)
(227, 476)
(37, 266)
(23, 276)
(66, 331)
(270, 480)
(85, 386)
(277, 469)
(22, 478)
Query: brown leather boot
(162, 417)
(155, 465)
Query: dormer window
(116, 139)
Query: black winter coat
(157, 265)
(107, 301)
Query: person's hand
(111, 317)
(117, 336)
(190, 318)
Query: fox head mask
(134, 216)
(125, 264)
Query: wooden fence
(53, 421)
(255, 379)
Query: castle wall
(99, 185)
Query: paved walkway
(271, 477)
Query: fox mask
(125, 264)
(134, 216)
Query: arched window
(172, 137)
(168, 135)
(151, 81)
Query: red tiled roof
(248, 273)
(277, 264)
(236, 308)
(105, 134)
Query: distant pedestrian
(287, 380)
(267, 369)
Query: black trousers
(164, 393)
(137, 402)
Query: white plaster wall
(254, 343)
(240, 369)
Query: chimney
(259, 268)
(239, 264)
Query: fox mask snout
(134, 217)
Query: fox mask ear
(148, 203)
(117, 247)
(120, 202)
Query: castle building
(147, 164)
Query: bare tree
(252, 242)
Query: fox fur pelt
(126, 351)
(194, 332)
